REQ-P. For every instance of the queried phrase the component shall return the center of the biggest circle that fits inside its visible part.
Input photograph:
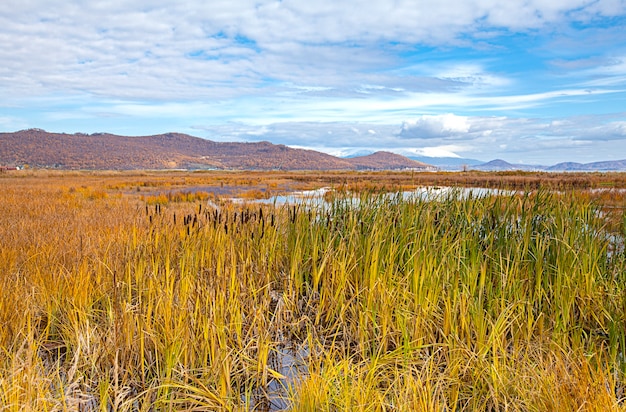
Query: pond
(318, 196)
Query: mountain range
(604, 166)
(499, 165)
(41, 149)
(102, 151)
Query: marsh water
(318, 196)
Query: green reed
(453, 303)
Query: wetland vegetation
(141, 292)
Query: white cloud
(438, 151)
(611, 72)
(472, 74)
(12, 123)
(486, 138)
(145, 49)
(427, 126)
(348, 74)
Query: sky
(527, 81)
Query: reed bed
(503, 302)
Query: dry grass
(111, 301)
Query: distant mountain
(566, 166)
(357, 153)
(442, 163)
(496, 164)
(447, 163)
(386, 160)
(605, 166)
(614, 165)
(501, 165)
(39, 148)
(101, 151)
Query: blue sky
(527, 81)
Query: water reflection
(321, 196)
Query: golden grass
(113, 301)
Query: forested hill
(101, 151)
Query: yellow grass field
(150, 291)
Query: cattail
(174, 218)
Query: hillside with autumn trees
(101, 151)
